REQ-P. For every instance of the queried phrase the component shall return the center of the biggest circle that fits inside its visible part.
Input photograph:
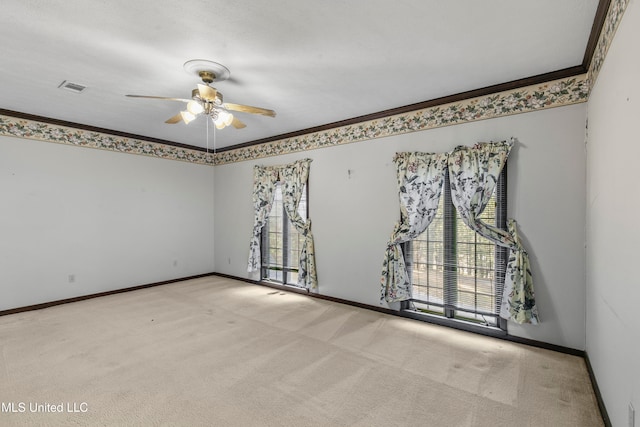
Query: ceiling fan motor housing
(206, 104)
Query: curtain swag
(292, 177)
(473, 174)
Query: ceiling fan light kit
(206, 100)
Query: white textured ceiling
(314, 62)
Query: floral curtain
(420, 178)
(264, 184)
(293, 178)
(473, 173)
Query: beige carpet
(218, 352)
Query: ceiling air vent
(73, 87)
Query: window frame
(286, 229)
(450, 267)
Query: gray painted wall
(353, 207)
(111, 220)
(613, 231)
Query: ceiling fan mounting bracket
(208, 71)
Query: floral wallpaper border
(30, 129)
(551, 94)
(548, 95)
(611, 22)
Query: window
(455, 272)
(281, 243)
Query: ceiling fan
(207, 100)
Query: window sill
(492, 331)
(283, 286)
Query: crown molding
(552, 94)
(563, 87)
(31, 128)
(610, 24)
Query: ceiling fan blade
(175, 119)
(207, 93)
(249, 109)
(164, 98)
(238, 124)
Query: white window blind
(455, 272)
